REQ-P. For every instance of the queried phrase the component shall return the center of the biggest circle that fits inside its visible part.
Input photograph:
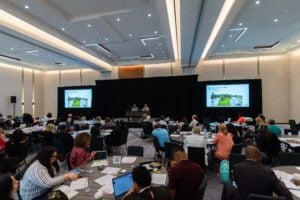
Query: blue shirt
(162, 135)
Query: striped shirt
(37, 181)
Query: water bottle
(205, 133)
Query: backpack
(224, 171)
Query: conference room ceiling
(129, 32)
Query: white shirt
(195, 140)
(193, 123)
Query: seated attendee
(148, 119)
(184, 125)
(223, 142)
(8, 187)
(69, 119)
(65, 137)
(48, 119)
(237, 139)
(194, 121)
(36, 126)
(42, 175)
(260, 120)
(9, 122)
(134, 108)
(274, 129)
(252, 177)
(79, 153)
(95, 131)
(109, 124)
(194, 140)
(145, 108)
(2, 140)
(48, 134)
(142, 189)
(185, 176)
(161, 134)
(241, 119)
(14, 148)
(27, 119)
(163, 122)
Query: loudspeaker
(13, 99)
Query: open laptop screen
(100, 155)
(122, 184)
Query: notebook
(122, 184)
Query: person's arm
(130, 191)
(216, 140)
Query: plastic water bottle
(205, 133)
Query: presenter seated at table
(223, 142)
(142, 188)
(185, 176)
(42, 175)
(8, 187)
(252, 177)
(134, 108)
(145, 108)
(80, 154)
(161, 134)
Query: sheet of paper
(159, 179)
(175, 135)
(107, 188)
(128, 160)
(111, 170)
(104, 179)
(66, 190)
(298, 168)
(97, 163)
(79, 184)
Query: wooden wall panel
(131, 71)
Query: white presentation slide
(78, 98)
(227, 95)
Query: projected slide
(227, 95)
(78, 98)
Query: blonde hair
(223, 129)
(196, 130)
(50, 127)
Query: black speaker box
(13, 99)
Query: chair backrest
(287, 158)
(156, 144)
(172, 129)
(147, 128)
(25, 152)
(135, 151)
(197, 155)
(96, 143)
(201, 188)
(263, 197)
(235, 158)
(59, 145)
(293, 124)
(237, 148)
(84, 127)
(68, 155)
(169, 149)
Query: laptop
(100, 155)
(122, 184)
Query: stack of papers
(128, 160)
(66, 190)
(111, 170)
(104, 179)
(79, 184)
(159, 179)
(97, 163)
(107, 188)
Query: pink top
(224, 145)
(79, 156)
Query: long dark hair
(44, 157)
(6, 186)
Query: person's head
(231, 129)
(62, 128)
(70, 115)
(179, 154)
(49, 115)
(95, 131)
(223, 129)
(184, 120)
(162, 117)
(8, 186)
(260, 119)
(98, 118)
(48, 157)
(141, 177)
(18, 136)
(145, 105)
(50, 128)
(107, 120)
(272, 121)
(196, 130)
(157, 125)
(82, 140)
(195, 117)
(221, 120)
(252, 153)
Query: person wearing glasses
(42, 175)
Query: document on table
(97, 163)
(107, 188)
(104, 179)
(159, 179)
(67, 191)
(111, 170)
(79, 184)
(128, 160)
(175, 135)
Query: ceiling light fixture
(130, 35)
(257, 2)
(118, 19)
(106, 39)
(150, 38)
(149, 15)
(84, 41)
(275, 20)
(228, 4)
(230, 36)
(26, 7)
(63, 29)
(155, 32)
(12, 48)
(89, 25)
(240, 24)
(10, 21)
(32, 51)
(159, 44)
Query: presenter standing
(145, 108)
(134, 108)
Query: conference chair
(68, 155)
(237, 148)
(288, 158)
(293, 124)
(158, 150)
(235, 158)
(2, 163)
(264, 197)
(201, 188)
(197, 155)
(59, 145)
(169, 150)
(118, 138)
(147, 129)
(135, 151)
(34, 140)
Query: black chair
(84, 127)
(293, 124)
(2, 162)
(135, 151)
(237, 148)
(68, 155)
(235, 158)
(286, 147)
(263, 197)
(287, 158)
(147, 129)
(59, 145)
(158, 150)
(34, 140)
(201, 188)
(293, 131)
(169, 150)
(197, 155)
(118, 138)
(97, 143)
(172, 129)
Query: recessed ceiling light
(106, 39)
(275, 20)
(63, 29)
(257, 2)
(26, 7)
(89, 25)
(159, 44)
(130, 35)
(12, 48)
(149, 15)
(240, 24)
(84, 41)
(230, 36)
(118, 19)
(155, 32)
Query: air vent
(10, 57)
(267, 46)
(104, 48)
(60, 64)
(147, 56)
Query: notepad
(107, 188)
(79, 184)
(128, 160)
(66, 190)
(111, 170)
(159, 179)
(104, 179)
